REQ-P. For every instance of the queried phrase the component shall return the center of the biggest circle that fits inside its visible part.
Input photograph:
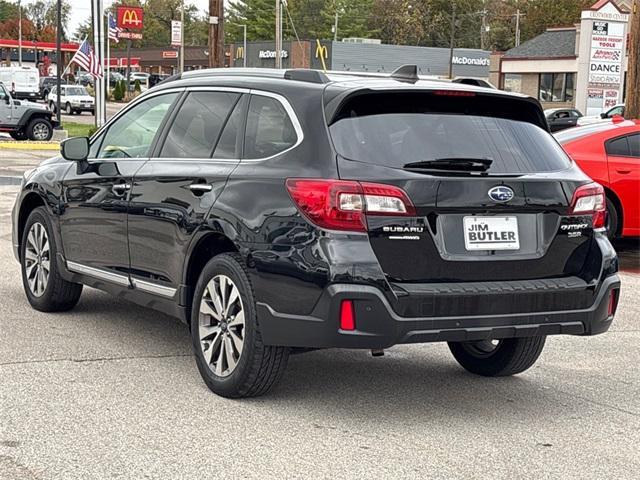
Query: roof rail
(306, 75)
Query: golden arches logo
(322, 53)
(130, 17)
(239, 52)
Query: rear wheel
(46, 290)
(68, 110)
(228, 347)
(613, 219)
(40, 129)
(498, 358)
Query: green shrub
(91, 130)
(118, 93)
(136, 86)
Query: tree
(43, 14)
(258, 15)
(632, 108)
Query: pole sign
(130, 17)
(176, 33)
(605, 66)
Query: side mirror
(603, 115)
(75, 149)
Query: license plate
(491, 233)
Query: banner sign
(130, 35)
(176, 33)
(130, 17)
(170, 54)
(605, 66)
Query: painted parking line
(29, 146)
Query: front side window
(269, 129)
(197, 126)
(131, 135)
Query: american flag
(114, 30)
(86, 58)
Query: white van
(22, 82)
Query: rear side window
(397, 138)
(197, 126)
(634, 145)
(269, 129)
(229, 145)
(618, 147)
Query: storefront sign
(176, 33)
(130, 35)
(130, 17)
(481, 62)
(170, 54)
(272, 54)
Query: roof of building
(554, 43)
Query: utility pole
(518, 14)
(483, 27)
(335, 27)
(182, 37)
(244, 46)
(278, 35)
(632, 107)
(453, 37)
(216, 33)
(20, 34)
(58, 61)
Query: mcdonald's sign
(239, 52)
(130, 17)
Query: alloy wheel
(221, 325)
(40, 131)
(37, 259)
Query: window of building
(269, 129)
(557, 87)
(512, 82)
(196, 128)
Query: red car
(610, 154)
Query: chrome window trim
(98, 273)
(154, 288)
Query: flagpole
(108, 55)
(72, 58)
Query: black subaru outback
(281, 211)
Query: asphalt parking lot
(110, 390)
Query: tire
(49, 293)
(67, 109)
(613, 220)
(19, 135)
(509, 356)
(40, 129)
(93, 112)
(257, 367)
(52, 106)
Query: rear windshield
(396, 138)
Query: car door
(5, 106)
(623, 160)
(93, 217)
(173, 192)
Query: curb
(29, 146)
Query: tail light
(589, 200)
(347, 316)
(344, 205)
(613, 302)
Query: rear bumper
(379, 326)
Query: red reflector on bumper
(347, 315)
(613, 302)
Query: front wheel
(498, 358)
(40, 129)
(46, 290)
(225, 333)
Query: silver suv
(23, 119)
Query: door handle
(121, 188)
(623, 172)
(200, 187)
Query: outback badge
(501, 194)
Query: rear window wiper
(456, 164)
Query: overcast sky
(81, 10)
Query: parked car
(24, 120)
(115, 77)
(46, 84)
(610, 154)
(291, 210)
(85, 79)
(22, 82)
(74, 99)
(141, 77)
(561, 118)
(604, 116)
(156, 78)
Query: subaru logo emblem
(501, 194)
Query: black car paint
(300, 272)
